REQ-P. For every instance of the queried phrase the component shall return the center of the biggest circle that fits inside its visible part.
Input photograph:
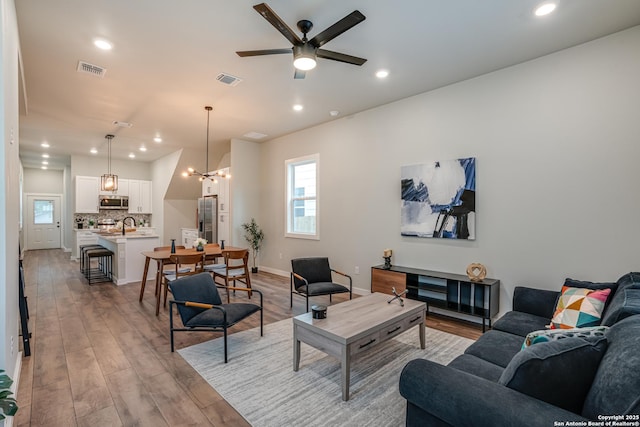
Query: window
(43, 212)
(302, 197)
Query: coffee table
(355, 326)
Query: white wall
(556, 142)
(43, 181)
(9, 187)
(178, 214)
(244, 188)
(96, 166)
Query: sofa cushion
(519, 323)
(476, 366)
(496, 347)
(592, 333)
(579, 307)
(625, 303)
(616, 386)
(573, 283)
(557, 372)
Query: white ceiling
(166, 56)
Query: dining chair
(159, 266)
(235, 269)
(211, 261)
(183, 265)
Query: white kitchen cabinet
(223, 227)
(84, 238)
(123, 189)
(140, 196)
(188, 236)
(210, 188)
(87, 188)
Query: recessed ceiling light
(254, 135)
(45, 144)
(298, 107)
(545, 9)
(43, 167)
(157, 139)
(45, 155)
(132, 156)
(45, 162)
(382, 74)
(143, 148)
(94, 151)
(102, 44)
(334, 113)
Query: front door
(43, 222)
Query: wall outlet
(357, 270)
(12, 346)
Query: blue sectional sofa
(575, 379)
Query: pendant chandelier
(109, 181)
(206, 175)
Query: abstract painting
(439, 199)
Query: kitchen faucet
(124, 225)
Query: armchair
(201, 309)
(312, 277)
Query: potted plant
(91, 224)
(8, 405)
(199, 244)
(254, 235)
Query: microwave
(113, 202)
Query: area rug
(259, 381)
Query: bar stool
(82, 254)
(103, 272)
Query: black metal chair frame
(306, 282)
(211, 328)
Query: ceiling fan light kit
(305, 52)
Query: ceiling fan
(306, 51)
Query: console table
(446, 291)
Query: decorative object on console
(199, 244)
(254, 235)
(109, 181)
(476, 272)
(386, 254)
(206, 175)
(439, 199)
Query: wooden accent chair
(235, 269)
(201, 309)
(183, 265)
(312, 277)
(158, 285)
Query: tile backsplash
(115, 215)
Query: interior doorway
(43, 229)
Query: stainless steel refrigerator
(208, 218)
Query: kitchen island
(128, 261)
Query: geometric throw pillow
(592, 333)
(557, 372)
(579, 308)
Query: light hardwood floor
(101, 358)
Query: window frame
(290, 198)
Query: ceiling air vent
(85, 67)
(228, 79)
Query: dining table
(161, 257)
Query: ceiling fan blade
(299, 74)
(244, 53)
(337, 56)
(349, 21)
(268, 14)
